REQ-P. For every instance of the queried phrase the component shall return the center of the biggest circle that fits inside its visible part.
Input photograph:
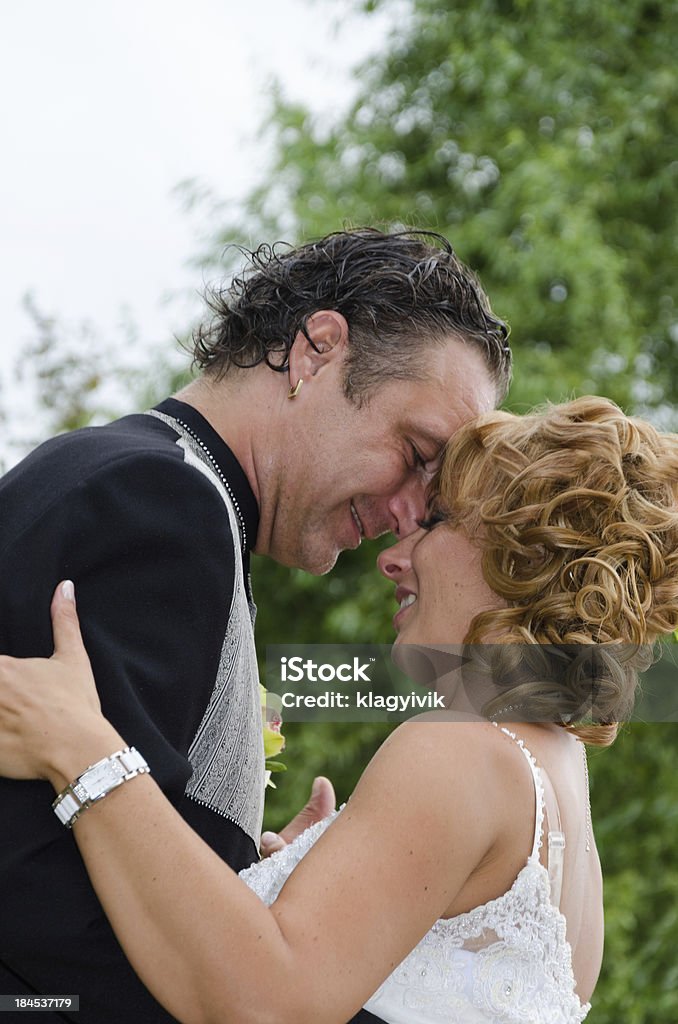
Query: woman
(560, 529)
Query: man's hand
(321, 803)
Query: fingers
(270, 843)
(65, 622)
(22, 739)
(320, 804)
(323, 799)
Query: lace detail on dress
(267, 877)
(506, 962)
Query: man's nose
(408, 506)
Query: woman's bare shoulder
(453, 740)
(457, 772)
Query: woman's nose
(395, 561)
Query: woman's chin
(418, 662)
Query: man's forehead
(460, 380)
(433, 422)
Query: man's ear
(324, 343)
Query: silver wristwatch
(96, 782)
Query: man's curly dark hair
(399, 293)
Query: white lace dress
(506, 962)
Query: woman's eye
(431, 520)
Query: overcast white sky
(106, 107)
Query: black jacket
(147, 541)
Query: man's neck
(241, 408)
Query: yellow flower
(274, 741)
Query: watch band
(96, 782)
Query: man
(332, 376)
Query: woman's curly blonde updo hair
(575, 507)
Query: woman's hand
(46, 704)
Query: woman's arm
(206, 946)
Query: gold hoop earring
(293, 392)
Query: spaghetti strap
(538, 791)
(555, 843)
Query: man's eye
(418, 460)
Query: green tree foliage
(634, 795)
(78, 376)
(540, 135)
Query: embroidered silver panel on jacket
(227, 753)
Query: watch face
(101, 778)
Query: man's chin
(318, 563)
(323, 568)
(315, 562)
